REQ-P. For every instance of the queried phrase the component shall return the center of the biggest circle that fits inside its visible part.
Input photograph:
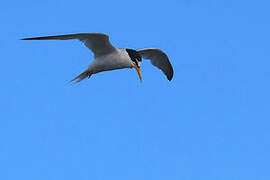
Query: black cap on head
(134, 55)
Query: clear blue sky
(210, 122)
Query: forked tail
(82, 76)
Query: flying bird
(107, 57)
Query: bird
(107, 57)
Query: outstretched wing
(98, 43)
(159, 59)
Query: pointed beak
(139, 72)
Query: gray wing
(159, 59)
(98, 43)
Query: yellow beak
(139, 72)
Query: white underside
(119, 59)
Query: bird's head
(136, 60)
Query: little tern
(107, 57)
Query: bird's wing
(98, 43)
(159, 59)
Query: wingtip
(170, 76)
(27, 39)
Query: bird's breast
(115, 60)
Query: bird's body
(107, 57)
(118, 59)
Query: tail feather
(82, 76)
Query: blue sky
(210, 122)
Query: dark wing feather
(159, 59)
